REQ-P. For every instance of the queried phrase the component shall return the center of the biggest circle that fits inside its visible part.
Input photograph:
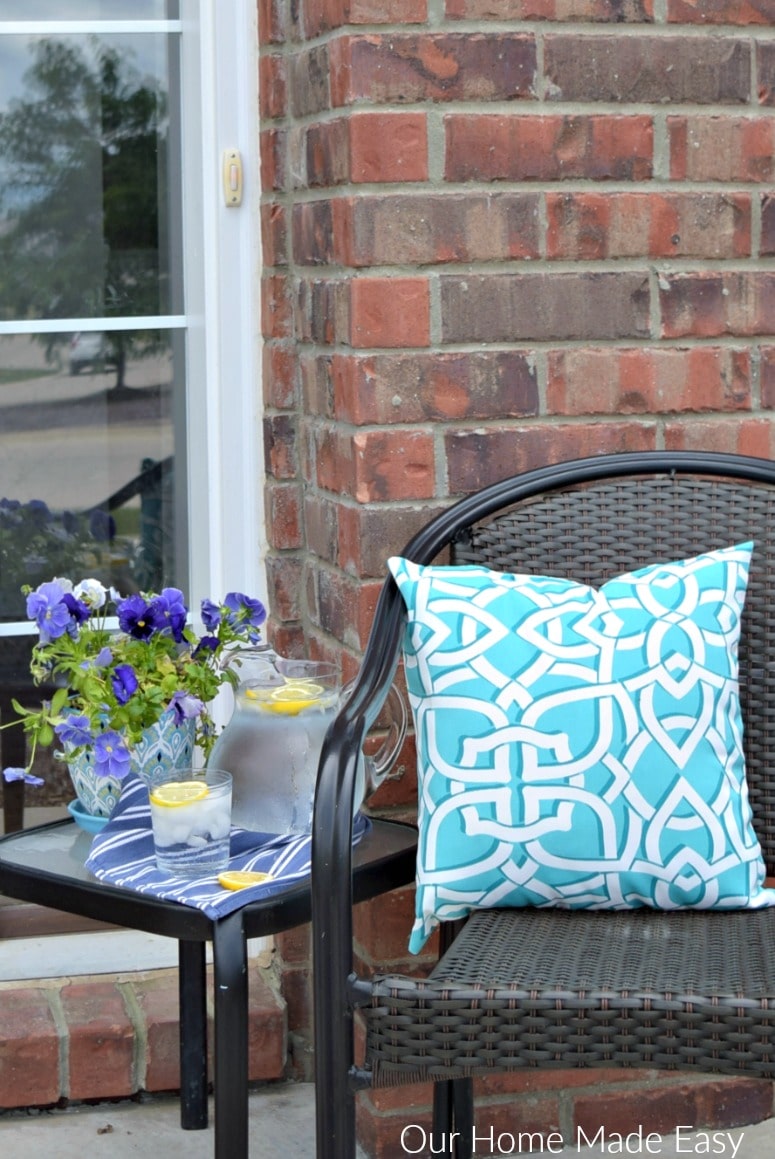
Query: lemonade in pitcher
(272, 743)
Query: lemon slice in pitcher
(240, 878)
(293, 697)
(176, 793)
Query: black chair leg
(463, 1117)
(453, 1118)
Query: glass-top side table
(46, 865)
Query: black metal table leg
(230, 986)
(192, 1005)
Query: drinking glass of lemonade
(191, 820)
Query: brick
(661, 1108)
(284, 575)
(765, 70)
(294, 945)
(390, 312)
(101, 1041)
(272, 86)
(29, 1049)
(333, 454)
(388, 147)
(267, 1027)
(525, 147)
(421, 388)
(477, 458)
(273, 144)
(396, 12)
(733, 1102)
(283, 511)
(280, 445)
(322, 313)
(309, 81)
(313, 233)
(598, 226)
(436, 67)
(326, 152)
(157, 996)
(321, 16)
(321, 526)
(317, 384)
(422, 229)
(605, 11)
(713, 148)
(393, 464)
(749, 436)
(276, 316)
(271, 21)
(280, 373)
(721, 12)
(381, 927)
(648, 380)
(711, 304)
(274, 235)
(338, 605)
(767, 243)
(767, 377)
(647, 68)
(540, 307)
(368, 535)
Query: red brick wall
(499, 233)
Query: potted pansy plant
(113, 687)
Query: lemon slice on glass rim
(173, 794)
(240, 878)
(292, 697)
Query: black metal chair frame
(536, 979)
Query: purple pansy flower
(79, 611)
(124, 682)
(12, 774)
(244, 610)
(185, 706)
(140, 618)
(206, 644)
(211, 615)
(174, 611)
(45, 606)
(74, 730)
(111, 756)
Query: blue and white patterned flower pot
(165, 745)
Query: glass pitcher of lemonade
(271, 746)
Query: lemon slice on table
(177, 793)
(239, 878)
(293, 697)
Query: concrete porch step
(114, 1035)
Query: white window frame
(224, 447)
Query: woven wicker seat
(689, 990)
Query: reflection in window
(83, 176)
(86, 462)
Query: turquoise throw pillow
(579, 747)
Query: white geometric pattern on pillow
(579, 747)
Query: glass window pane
(85, 148)
(88, 454)
(89, 10)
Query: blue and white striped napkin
(122, 854)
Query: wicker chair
(521, 988)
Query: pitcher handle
(374, 768)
